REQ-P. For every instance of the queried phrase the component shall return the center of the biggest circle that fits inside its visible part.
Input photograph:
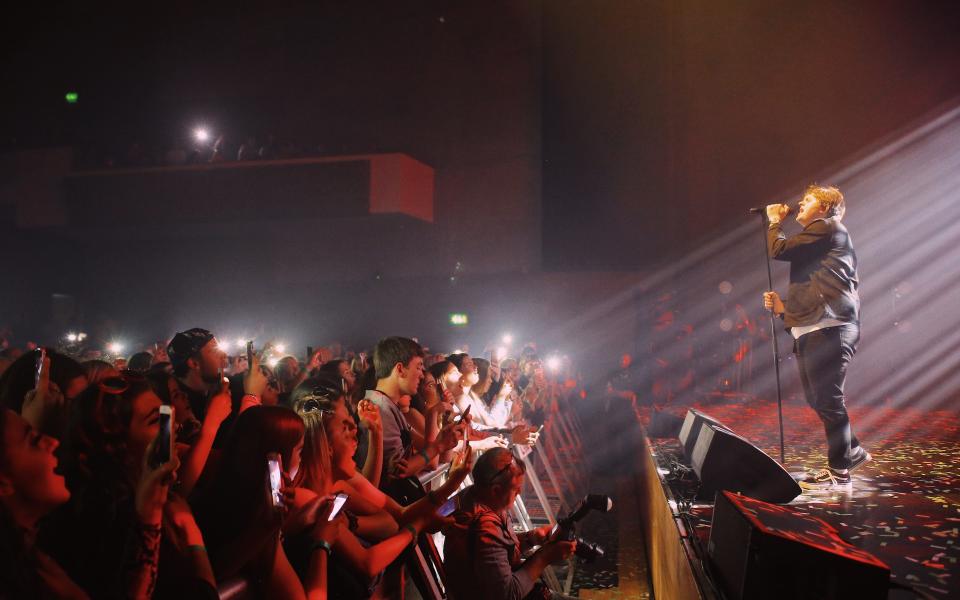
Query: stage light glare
(553, 363)
(81, 336)
(281, 348)
(508, 339)
(201, 134)
(273, 362)
(241, 342)
(224, 345)
(115, 347)
(71, 337)
(501, 353)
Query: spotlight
(507, 339)
(224, 345)
(72, 337)
(280, 348)
(201, 134)
(115, 347)
(273, 362)
(553, 363)
(241, 342)
(81, 336)
(501, 353)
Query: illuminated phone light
(115, 347)
(459, 319)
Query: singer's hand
(777, 212)
(771, 301)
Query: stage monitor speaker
(690, 430)
(725, 461)
(760, 550)
(664, 424)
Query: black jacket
(823, 272)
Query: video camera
(565, 529)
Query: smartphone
(250, 354)
(41, 358)
(309, 353)
(466, 413)
(338, 501)
(275, 479)
(539, 429)
(447, 508)
(163, 448)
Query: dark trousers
(823, 356)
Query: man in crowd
(398, 363)
(482, 552)
(822, 312)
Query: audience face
(29, 474)
(347, 374)
(342, 437)
(452, 377)
(178, 400)
(410, 375)
(469, 377)
(210, 360)
(144, 421)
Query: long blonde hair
(316, 472)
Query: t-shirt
(396, 431)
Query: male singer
(822, 313)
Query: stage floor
(903, 507)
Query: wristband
(322, 545)
(413, 532)
(425, 455)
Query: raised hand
(154, 484)
(369, 415)
(220, 406)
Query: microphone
(762, 210)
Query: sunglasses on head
(513, 461)
(118, 384)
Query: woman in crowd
(108, 536)
(30, 488)
(239, 519)
(327, 467)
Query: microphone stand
(773, 335)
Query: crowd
(188, 473)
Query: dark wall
(663, 121)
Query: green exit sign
(71, 97)
(459, 319)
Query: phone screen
(250, 354)
(164, 443)
(41, 356)
(447, 508)
(275, 479)
(338, 501)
